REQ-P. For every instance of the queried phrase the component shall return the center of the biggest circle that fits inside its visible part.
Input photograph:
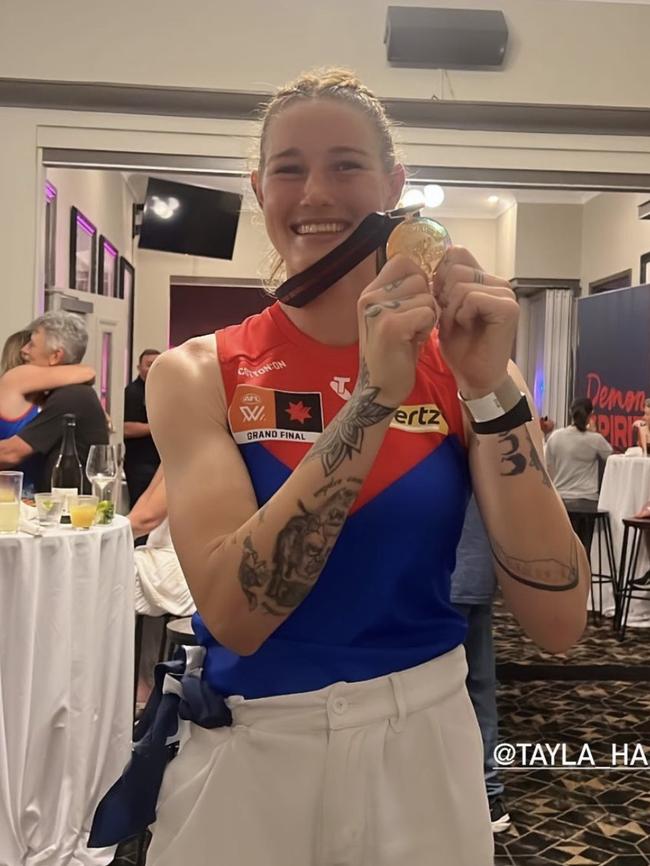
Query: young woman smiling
(317, 523)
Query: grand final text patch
(258, 414)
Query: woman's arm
(249, 568)
(151, 508)
(541, 565)
(29, 378)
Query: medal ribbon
(371, 234)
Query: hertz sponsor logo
(423, 418)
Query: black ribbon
(370, 235)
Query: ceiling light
(434, 195)
(164, 208)
(493, 199)
(412, 197)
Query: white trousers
(385, 772)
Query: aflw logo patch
(423, 418)
(262, 413)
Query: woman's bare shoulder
(185, 372)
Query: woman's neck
(332, 317)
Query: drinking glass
(101, 468)
(11, 489)
(83, 510)
(49, 507)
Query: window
(623, 280)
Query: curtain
(558, 354)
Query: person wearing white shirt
(572, 457)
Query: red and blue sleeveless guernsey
(381, 603)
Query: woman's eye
(288, 169)
(348, 165)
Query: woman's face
(322, 175)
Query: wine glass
(101, 468)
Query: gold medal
(423, 240)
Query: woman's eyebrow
(290, 151)
(336, 150)
(347, 149)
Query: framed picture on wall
(645, 268)
(107, 276)
(127, 292)
(83, 252)
(50, 235)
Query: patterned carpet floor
(598, 694)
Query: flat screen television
(195, 220)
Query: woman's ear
(396, 180)
(257, 187)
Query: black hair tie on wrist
(519, 414)
(370, 235)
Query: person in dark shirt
(141, 459)
(57, 338)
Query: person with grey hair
(57, 338)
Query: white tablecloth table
(624, 491)
(66, 688)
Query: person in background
(141, 460)
(473, 584)
(57, 339)
(160, 585)
(22, 390)
(547, 426)
(642, 429)
(572, 455)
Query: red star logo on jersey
(298, 412)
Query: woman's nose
(316, 191)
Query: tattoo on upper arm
(514, 459)
(301, 550)
(344, 436)
(552, 575)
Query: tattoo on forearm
(300, 553)
(344, 436)
(515, 461)
(536, 461)
(552, 575)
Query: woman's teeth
(318, 228)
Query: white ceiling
(460, 202)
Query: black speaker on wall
(435, 38)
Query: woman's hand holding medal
(396, 314)
(478, 312)
(478, 322)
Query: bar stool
(179, 633)
(632, 586)
(598, 520)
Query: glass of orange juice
(83, 510)
(11, 487)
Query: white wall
(613, 237)
(548, 241)
(103, 197)
(559, 51)
(478, 235)
(154, 270)
(506, 239)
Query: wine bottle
(67, 475)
